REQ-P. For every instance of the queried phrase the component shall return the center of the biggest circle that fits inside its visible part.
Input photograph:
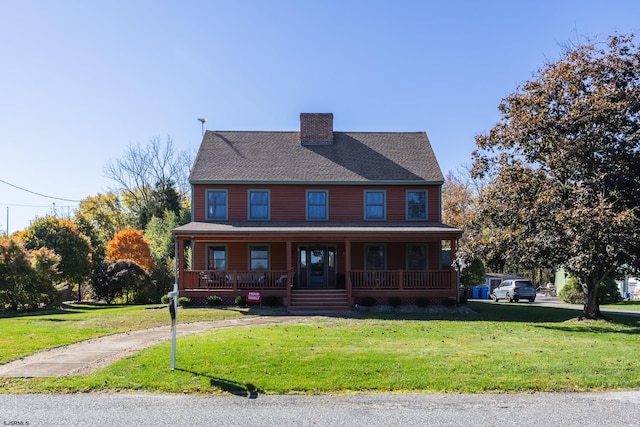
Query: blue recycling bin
(484, 292)
(476, 292)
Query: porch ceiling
(325, 231)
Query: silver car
(514, 291)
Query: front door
(317, 266)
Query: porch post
(456, 279)
(289, 280)
(179, 270)
(347, 270)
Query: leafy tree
(160, 237)
(63, 237)
(26, 277)
(130, 244)
(572, 292)
(474, 274)
(457, 202)
(566, 154)
(123, 279)
(105, 214)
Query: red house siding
(288, 201)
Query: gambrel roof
(352, 157)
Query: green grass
(624, 305)
(503, 348)
(24, 334)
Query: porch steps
(319, 300)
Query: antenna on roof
(203, 121)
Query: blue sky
(81, 80)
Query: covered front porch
(303, 266)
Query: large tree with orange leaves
(130, 244)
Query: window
(374, 206)
(217, 258)
(374, 257)
(417, 257)
(317, 201)
(217, 204)
(417, 205)
(259, 257)
(259, 204)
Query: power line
(39, 194)
(13, 205)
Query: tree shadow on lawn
(65, 309)
(474, 312)
(237, 389)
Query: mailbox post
(173, 307)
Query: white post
(173, 308)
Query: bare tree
(144, 170)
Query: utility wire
(38, 194)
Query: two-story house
(316, 217)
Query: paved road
(562, 409)
(547, 301)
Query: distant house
(629, 287)
(316, 218)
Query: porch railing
(234, 280)
(402, 279)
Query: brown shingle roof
(279, 157)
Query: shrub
(449, 302)
(422, 301)
(368, 301)
(184, 301)
(164, 299)
(271, 301)
(395, 301)
(241, 301)
(572, 292)
(214, 300)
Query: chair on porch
(282, 280)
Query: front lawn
(22, 334)
(503, 348)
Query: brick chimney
(316, 128)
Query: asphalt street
(542, 409)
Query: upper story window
(417, 205)
(217, 204)
(259, 204)
(317, 204)
(374, 205)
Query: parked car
(514, 291)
